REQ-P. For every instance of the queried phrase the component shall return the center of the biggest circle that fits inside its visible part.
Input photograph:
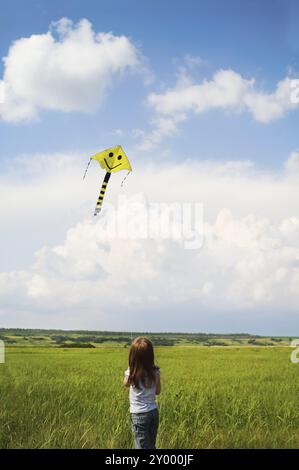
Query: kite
(111, 160)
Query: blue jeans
(145, 428)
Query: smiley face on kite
(111, 160)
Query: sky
(203, 96)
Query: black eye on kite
(111, 154)
(119, 157)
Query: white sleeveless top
(143, 399)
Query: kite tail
(102, 193)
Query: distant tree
(76, 345)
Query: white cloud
(267, 107)
(69, 68)
(193, 60)
(292, 164)
(249, 259)
(2, 92)
(227, 90)
(163, 126)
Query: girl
(143, 378)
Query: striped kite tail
(102, 193)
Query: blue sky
(256, 39)
(198, 93)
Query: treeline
(90, 339)
(260, 343)
(58, 337)
(76, 345)
(177, 335)
(61, 339)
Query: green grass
(211, 397)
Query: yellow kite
(113, 159)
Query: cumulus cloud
(227, 90)
(249, 259)
(292, 164)
(247, 263)
(68, 68)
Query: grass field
(211, 397)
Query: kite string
(122, 183)
(87, 168)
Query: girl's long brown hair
(142, 363)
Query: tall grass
(216, 397)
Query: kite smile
(112, 167)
